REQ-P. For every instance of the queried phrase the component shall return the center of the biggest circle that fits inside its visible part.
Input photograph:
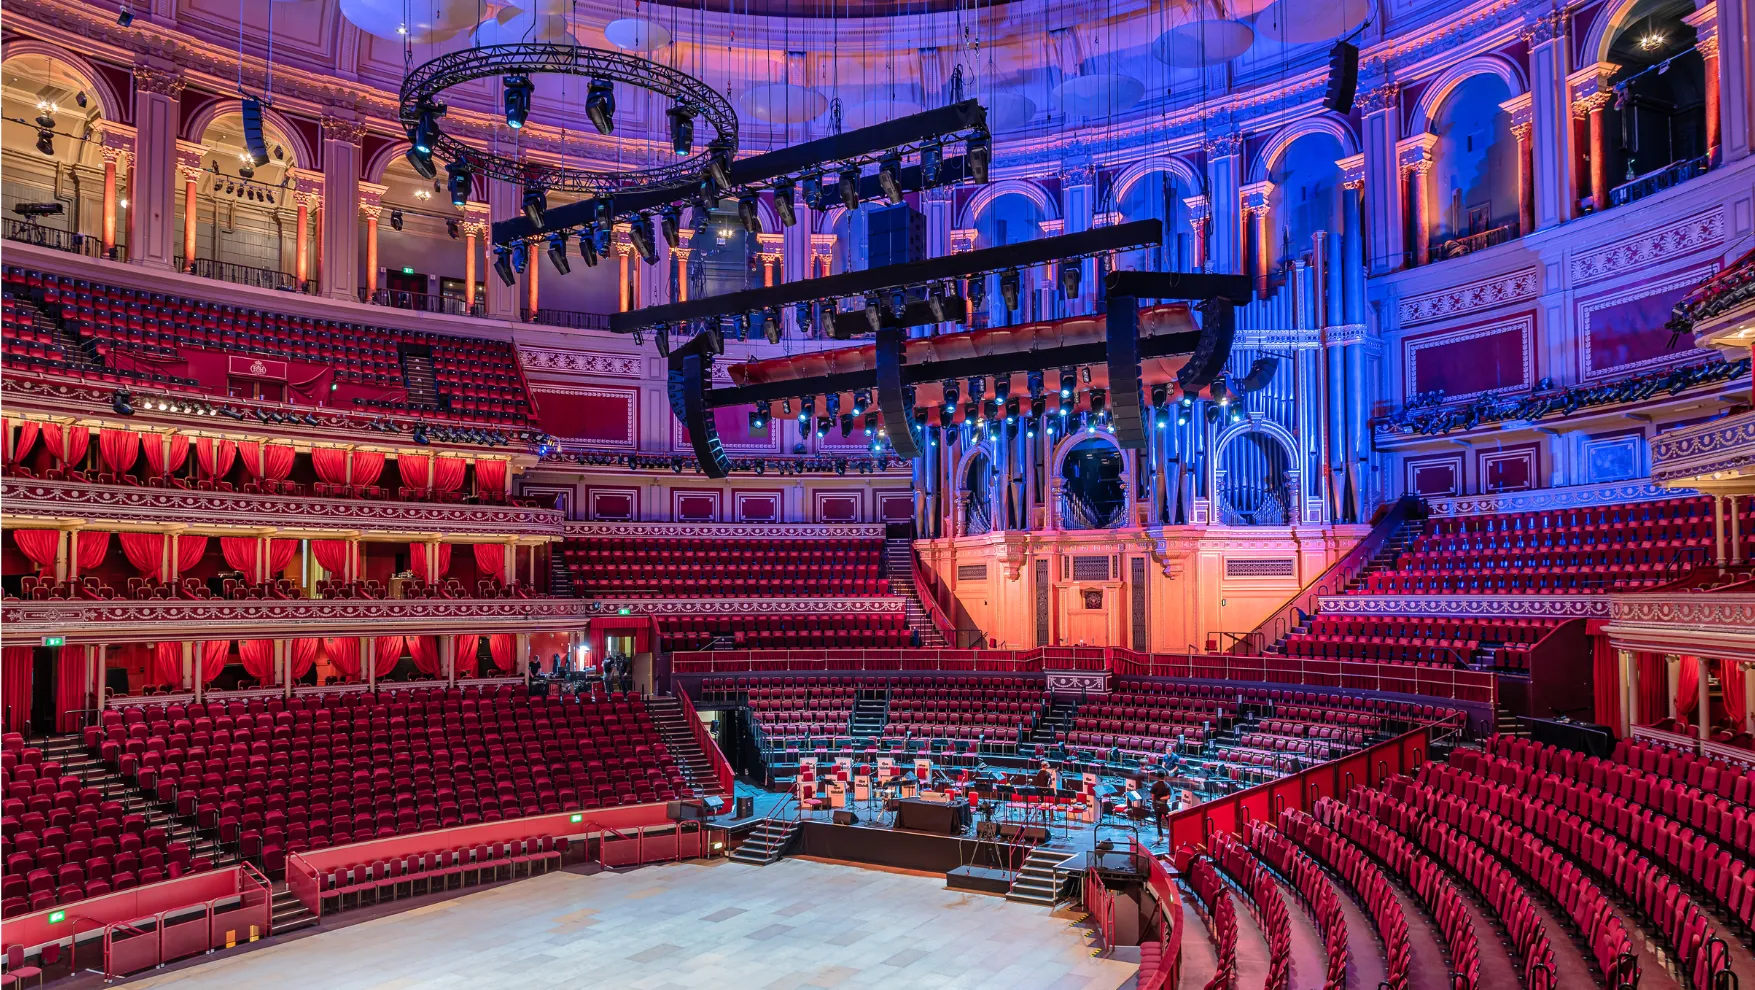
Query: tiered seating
(462, 866)
(1429, 642)
(1605, 548)
(65, 842)
(950, 708)
(1732, 781)
(1314, 886)
(477, 380)
(774, 632)
(1263, 893)
(1369, 885)
(274, 777)
(711, 568)
(1212, 897)
(793, 707)
(1139, 722)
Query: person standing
(1160, 801)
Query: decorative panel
(1509, 469)
(755, 507)
(1464, 363)
(835, 506)
(1441, 474)
(1623, 331)
(1260, 567)
(971, 572)
(1615, 456)
(694, 505)
(613, 504)
(735, 433)
(1090, 568)
(895, 506)
(595, 417)
(1041, 601)
(1137, 592)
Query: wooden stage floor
(794, 925)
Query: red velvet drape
(165, 458)
(67, 444)
(417, 561)
(490, 560)
(331, 555)
(448, 473)
(91, 546)
(416, 470)
(388, 650)
(167, 659)
(146, 551)
(190, 550)
(280, 554)
(214, 457)
(213, 654)
(119, 449)
(16, 667)
(1606, 673)
(344, 655)
(500, 646)
(39, 545)
(1653, 679)
(1730, 682)
(467, 660)
(272, 461)
(1687, 687)
(301, 657)
(28, 431)
(72, 678)
(240, 555)
(368, 467)
(424, 651)
(257, 656)
(491, 475)
(330, 463)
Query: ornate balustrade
(1706, 451)
(1527, 606)
(1548, 499)
(1715, 624)
(777, 607)
(730, 531)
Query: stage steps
(899, 569)
(871, 712)
(287, 913)
(1036, 882)
(667, 716)
(1054, 723)
(767, 843)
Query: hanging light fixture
(518, 91)
(600, 105)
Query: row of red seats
(875, 630)
(445, 870)
(1655, 893)
(1212, 897)
(1349, 735)
(1422, 876)
(1586, 519)
(1368, 883)
(1268, 903)
(688, 567)
(1735, 781)
(1314, 886)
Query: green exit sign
(624, 611)
(56, 917)
(407, 271)
(54, 641)
(576, 819)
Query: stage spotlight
(801, 314)
(600, 105)
(557, 251)
(828, 318)
(119, 403)
(426, 130)
(640, 234)
(772, 325)
(871, 424)
(848, 186)
(518, 90)
(822, 427)
(890, 177)
(46, 141)
(661, 339)
(682, 130)
(1011, 410)
(861, 400)
(747, 213)
(670, 224)
(1098, 398)
(503, 265)
(977, 290)
(978, 156)
(759, 418)
(740, 326)
(395, 219)
(420, 434)
(520, 256)
(126, 17)
(1038, 406)
(950, 401)
(453, 228)
(832, 404)
(250, 109)
(1071, 273)
(813, 190)
(422, 162)
(535, 204)
(935, 301)
(931, 158)
(874, 312)
(846, 422)
(783, 202)
(1009, 284)
(807, 407)
(719, 166)
(458, 180)
(590, 249)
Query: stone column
(624, 253)
(1200, 217)
(1725, 33)
(152, 240)
(189, 168)
(1224, 183)
(1708, 48)
(1415, 159)
(371, 208)
(505, 201)
(474, 232)
(118, 153)
(1518, 108)
(773, 255)
(822, 252)
(1736, 530)
(1592, 99)
(1628, 666)
(1380, 109)
(532, 275)
(1254, 208)
(309, 200)
(1351, 273)
(338, 241)
(1551, 153)
(1078, 194)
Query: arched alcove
(977, 484)
(1306, 195)
(1158, 195)
(1658, 119)
(1093, 474)
(247, 214)
(1253, 480)
(1010, 218)
(1473, 186)
(61, 162)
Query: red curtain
(416, 470)
(90, 548)
(67, 445)
(490, 559)
(280, 554)
(466, 656)
(72, 676)
(215, 457)
(424, 651)
(1652, 681)
(15, 675)
(168, 663)
(272, 461)
(417, 561)
(1730, 682)
(39, 545)
(301, 657)
(1606, 675)
(28, 431)
(500, 646)
(213, 656)
(491, 475)
(388, 650)
(331, 556)
(190, 550)
(162, 460)
(257, 656)
(448, 473)
(119, 449)
(250, 456)
(146, 551)
(1687, 697)
(368, 466)
(240, 554)
(330, 463)
(344, 655)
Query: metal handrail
(263, 278)
(71, 241)
(423, 302)
(571, 319)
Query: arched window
(1474, 172)
(722, 254)
(1658, 120)
(1095, 485)
(247, 215)
(1306, 196)
(58, 163)
(1159, 196)
(1254, 482)
(978, 482)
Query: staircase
(767, 843)
(899, 569)
(667, 715)
(1389, 553)
(70, 752)
(1055, 723)
(1035, 882)
(871, 712)
(417, 374)
(560, 576)
(1507, 724)
(287, 913)
(76, 350)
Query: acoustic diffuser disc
(1301, 23)
(1098, 94)
(1209, 41)
(636, 34)
(418, 21)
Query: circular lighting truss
(422, 88)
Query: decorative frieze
(1487, 293)
(1549, 499)
(725, 531)
(580, 362)
(130, 621)
(1543, 606)
(1706, 450)
(1641, 252)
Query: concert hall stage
(877, 845)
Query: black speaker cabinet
(846, 818)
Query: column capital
(372, 197)
(821, 243)
(1352, 170)
(963, 239)
(1519, 109)
(305, 182)
(476, 215)
(1106, 218)
(1081, 174)
(1591, 80)
(1199, 207)
(159, 81)
(1704, 21)
(771, 243)
(474, 228)
(1545, 27)
(1228, 145)
(1051, 228)
(1414, 152)
(1255, 197)
(344, 130)
(189, 156)
(681, 252)
(1584, 106)
(1380, 99)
